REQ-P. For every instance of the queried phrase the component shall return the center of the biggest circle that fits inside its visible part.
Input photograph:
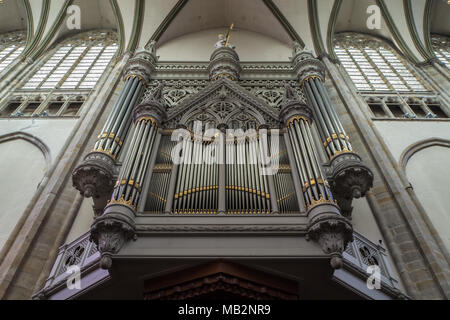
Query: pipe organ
(160, 177)
(284, 184)
(237, 156)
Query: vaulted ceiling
(407, 24)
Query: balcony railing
(359, 255)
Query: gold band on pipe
(154, 195)
(254, 211)
(110, 136)
(312, 182)
(147, 118)
(293, 118)
(131, 76)
(195, 211)
(122, 201)
(335, 136)
(107, 152)
(310, 77)
(286, 196)
(225, 75)
(193, 190)
(337, 153)
(320, 201)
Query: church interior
(224, 149)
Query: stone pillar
(325, 222)
(116, 225)
(94, 177)
(349, 178)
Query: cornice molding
(222, 228)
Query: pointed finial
(151, 46)
(157, 94)
(297, 48)
(290, 92)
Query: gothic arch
(418, 146)
(34, 141)
(223, 13)
(361, 41)
(88, 38)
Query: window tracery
(11, 46)
(62, 81)
(374, 66)
(78, 63)
(441, 46)
(387, 82)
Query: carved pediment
(223, 101)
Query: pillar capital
(141, 65)
(350, 179)
(224, 63)
(331, 230)
(306, 66)
(112, 230)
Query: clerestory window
(441, 47)
(385, 79)
(11, 46)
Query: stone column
(116, 225)
(94, 177)
(349, 178)
(325, 222)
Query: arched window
(60, 82)
(77, 63)
(11, 46)
(388, 83)
(373, 65)
(441, 47)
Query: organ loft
(266, 150)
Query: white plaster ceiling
(353, 17)
(13, 16)
(95, 14)
(199, 15)
(440, 17)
